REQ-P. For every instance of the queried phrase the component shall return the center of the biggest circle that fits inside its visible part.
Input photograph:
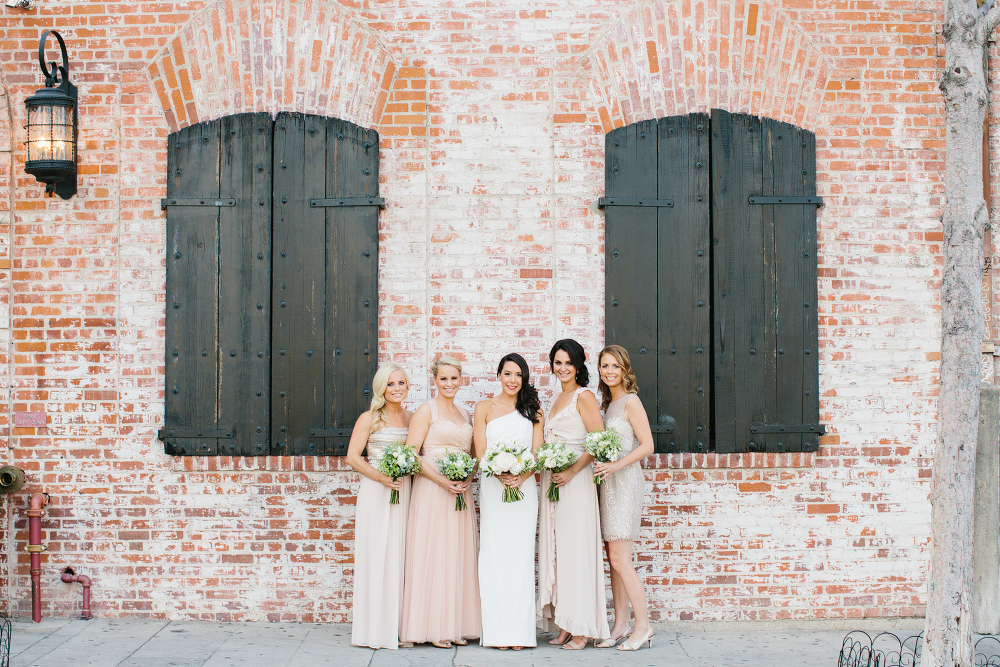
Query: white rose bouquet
(397, 461)
(457, 466)
(554, 457)
(604, 446)
(506, 457)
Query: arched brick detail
(291, 55)
(672, 57)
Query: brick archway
(242, 56)
(671, 57)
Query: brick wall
(492, 117)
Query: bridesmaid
(507, 531)
(622, 492)
(570, 563)
(379, 528)
(441, 587)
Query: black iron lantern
(52, 126)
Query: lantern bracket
(58, 176)
(52, 74)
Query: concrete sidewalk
(144, 643)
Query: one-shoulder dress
(440, 580)
(622, 492)
(507, 546)
(570, 560)
(379, 541)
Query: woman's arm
(635, 413)
(359, 438)
(479, 429)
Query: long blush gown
(570, 561)
(507, 547)
(379, 540)
(440, 581)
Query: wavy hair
(628, 377)
(577, 357)
(379, 383)
(527, 397)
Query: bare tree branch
(990, 20)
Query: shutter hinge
(172, 434)
(626, 201)
(788, 428)
(318, 202)
(208, 201)
(818, 201)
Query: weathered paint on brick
(492, 122)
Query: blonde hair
(379, 383)
(628, 377)
(445, 360)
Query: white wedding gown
(507, 547)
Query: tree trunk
(948, 631)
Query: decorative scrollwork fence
(860, 649)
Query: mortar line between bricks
(148, 639)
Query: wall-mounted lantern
(52, 126)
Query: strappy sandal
(645, 639)
(611, 641)
(441, 644)
(571, 646)
(555, 640)
(461, 642)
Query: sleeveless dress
(570, 560)
(507, 547)
(379, 540)
(622, 492)
(440, 581)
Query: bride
(507, 530)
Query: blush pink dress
(440, 576)
(570, 558)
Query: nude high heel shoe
(645, 639)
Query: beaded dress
(622, 492)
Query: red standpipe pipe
(69, 577)
(36, 509)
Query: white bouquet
(397, 461)
(506, 457)
(604, 446)
(554, 457)
(457, 466)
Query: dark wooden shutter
(325, 288)
(657, 271)
(218, 283)
(766, 368)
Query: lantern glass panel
(50, 133)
